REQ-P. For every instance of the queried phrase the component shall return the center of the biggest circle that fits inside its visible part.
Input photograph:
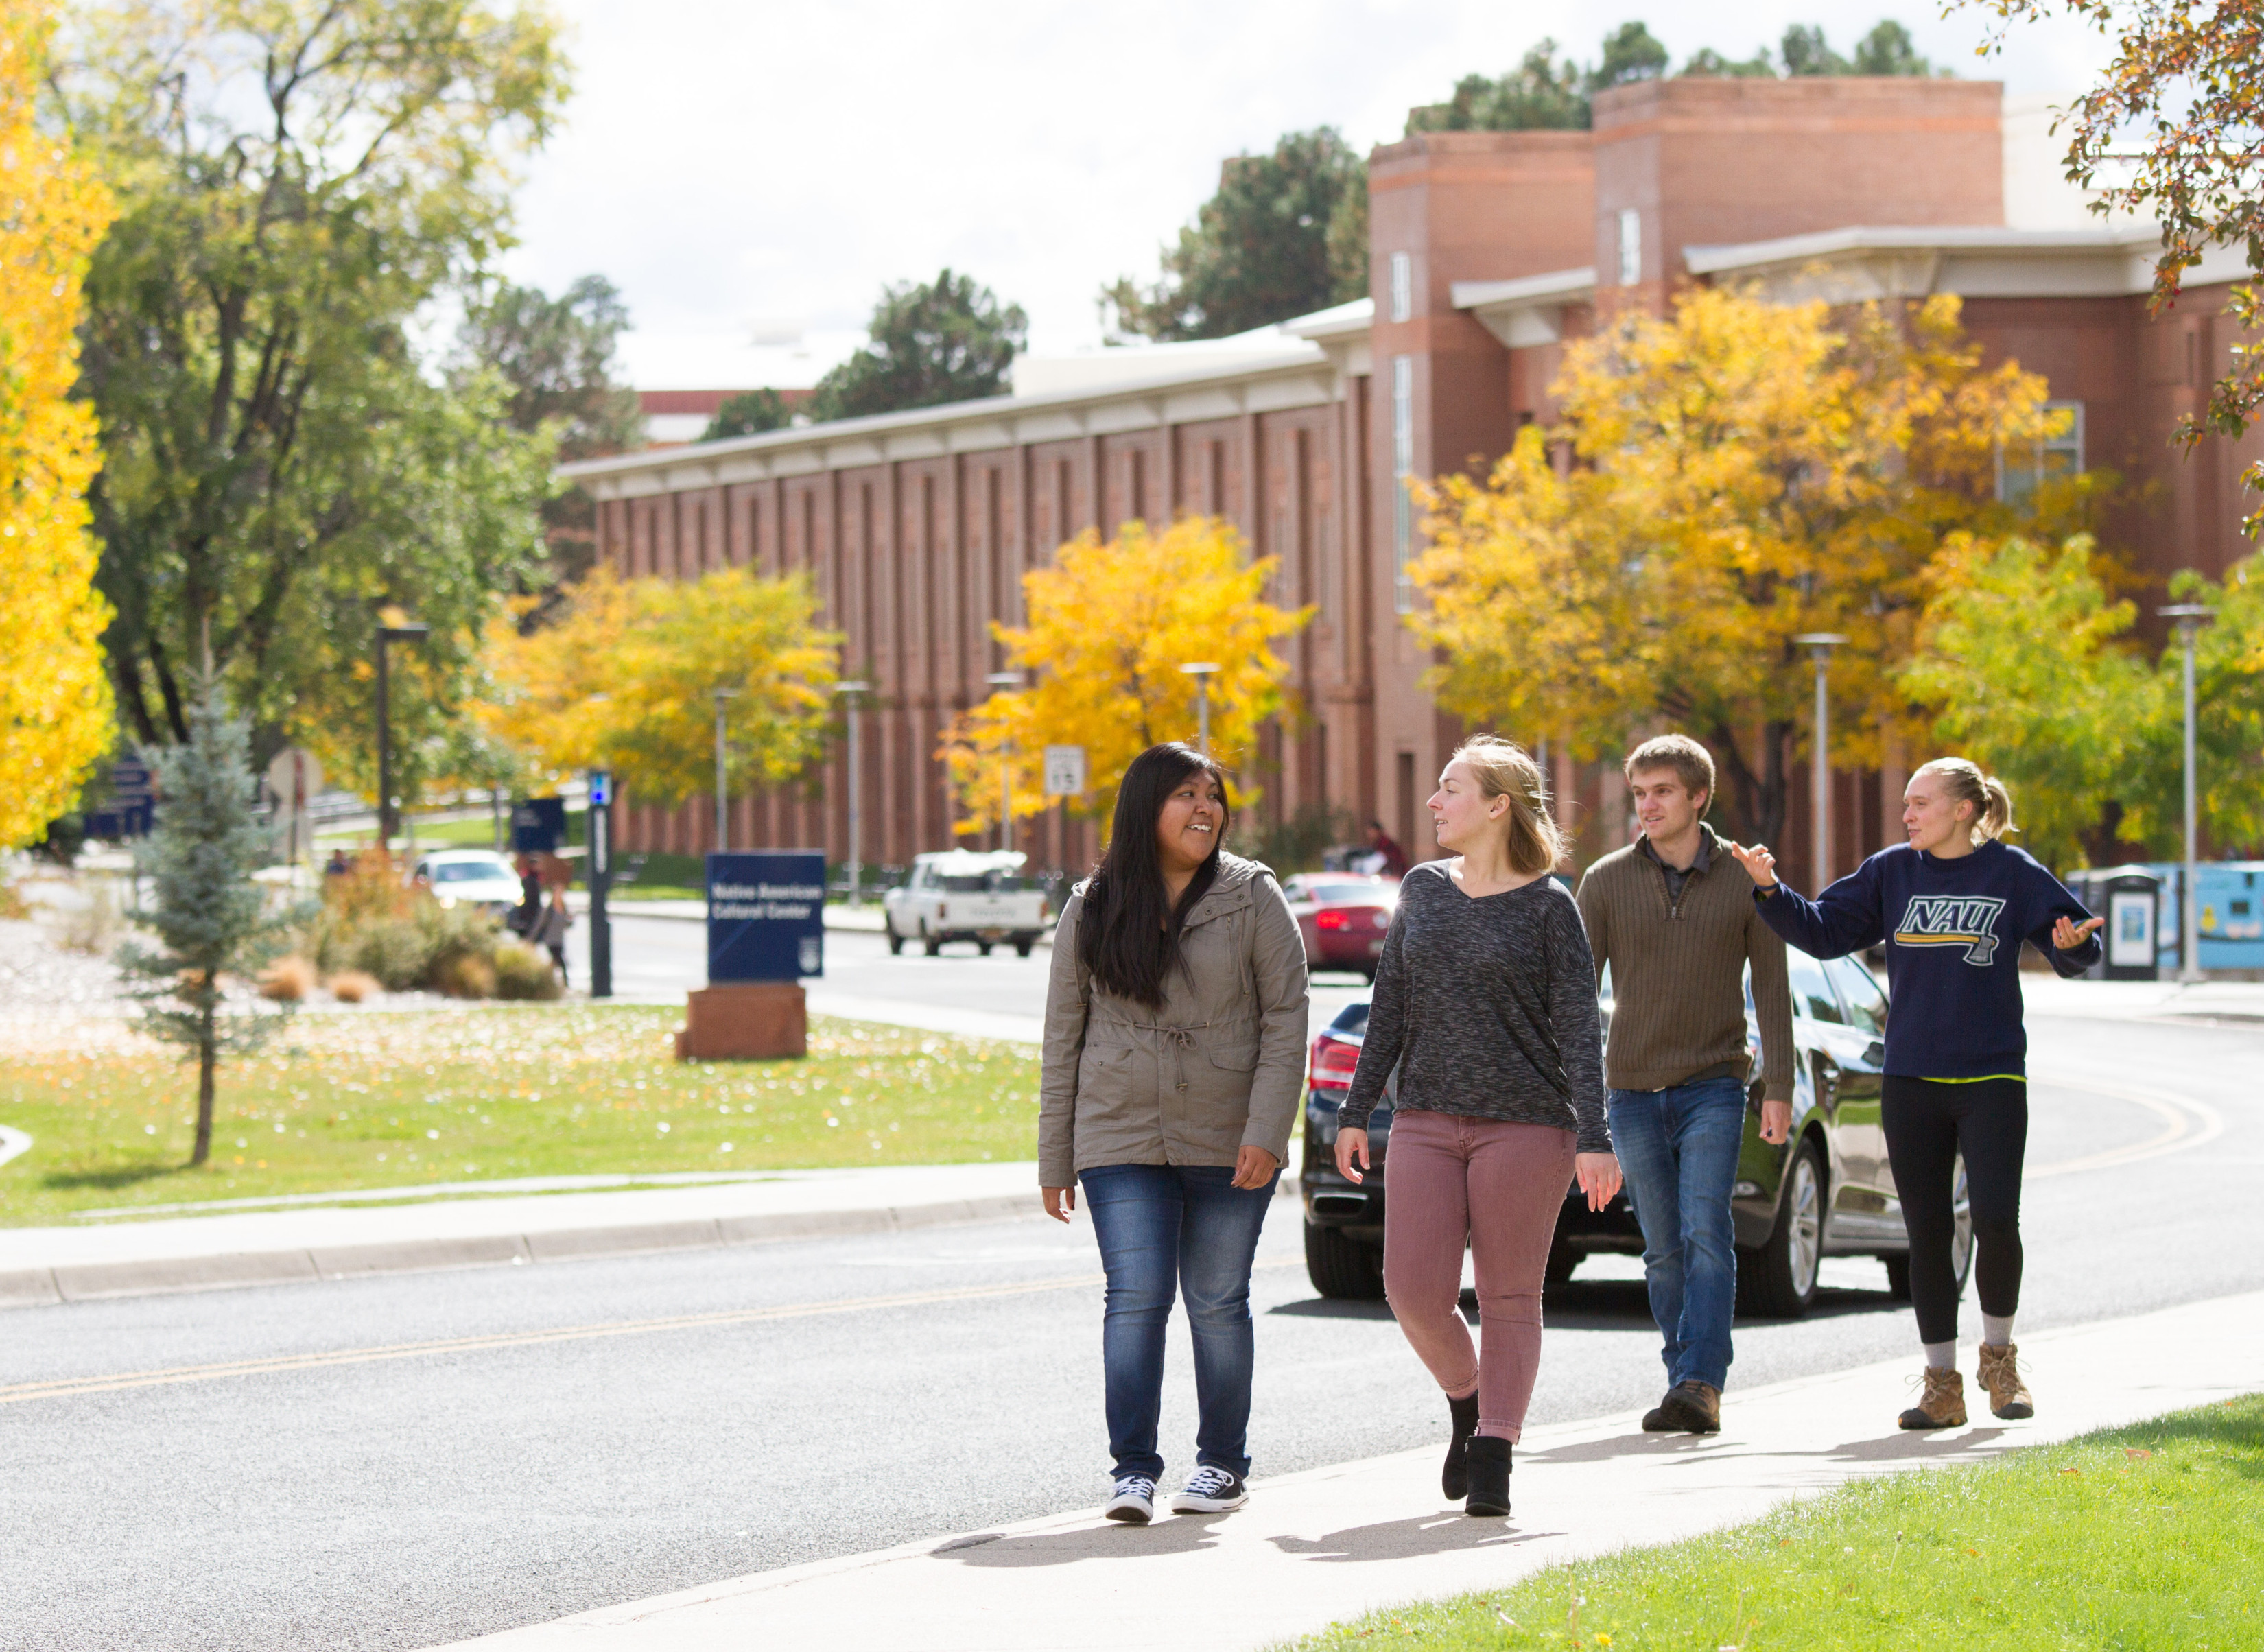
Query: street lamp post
(848, 692)
(1203, 674)
(1005, 680)
(723, 815)
(2189, 618)
(386, 821)
(1820, 645)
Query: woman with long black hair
(1175, 1033)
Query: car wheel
(983, 948)
(1340, 1266)
(1022, 945)
(1779, 1279)
(933, 943)
(895, 941)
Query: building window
(1403, 466)
(1630, 246)
(1403, 286)
(2058, 452)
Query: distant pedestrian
(1174, 1056)
(1392, 862)
(1485, 1000)
(337, 865)
(528, 912)
(550, 931)
(1952, 907)
(1672, 916)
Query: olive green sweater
(1677, 969)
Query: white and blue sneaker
(1211, 1491)
(1134, 1499)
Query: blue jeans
(1679, 1150)
(1184, 1229)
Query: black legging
(1928, 1124)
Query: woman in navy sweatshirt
(1953, 907)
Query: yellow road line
(2189, 1124)
(67, 1388)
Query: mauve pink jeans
(1501, 1184)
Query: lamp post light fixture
(1820, 645)
(2189, 618)
(1002, 681)
(848, 693)
(722, 810)
(387, 817)
(1203, 674)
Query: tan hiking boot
(2001, 1374)
(1942, 1405)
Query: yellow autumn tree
(54, 696)
(627, 681)
(1110, 623)
(1724, 480)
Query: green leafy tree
(1888, 49)
(947, 340)
(1806, 53)
(1706, 62)
(1277, 239)
(296, 180)
(1630, 54)
(1543, 93)
(2228, 723)
(208, 917)
(556, 359)
(749, 413)
(2186, 77)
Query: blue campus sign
(766, 916)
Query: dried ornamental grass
(351, 986)
(525, 971)
(287, 979)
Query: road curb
(87, 1282)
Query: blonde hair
(1992, 804)
(1503, 768)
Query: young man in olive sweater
(1672, 917)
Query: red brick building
(1489, 251)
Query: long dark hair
(1127, 938)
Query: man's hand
(1776, 1122)
(1599, 1176)
(2068, 936)
(1759, 865)
(1059, 1201)
(1253, 1167)
(1351, 1145)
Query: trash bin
(2129, 898)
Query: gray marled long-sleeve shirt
(1488, 1006)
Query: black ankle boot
(1455, 1478)
(1489, 1462)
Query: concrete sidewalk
(1316, 1547)
(40, 1266)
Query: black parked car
(1827, 1192)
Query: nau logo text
(1952, 920)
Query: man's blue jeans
(1166, 1230)
(1679, 1150)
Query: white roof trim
(1558, 286)
(1712, 260)
(1339, 320)
(1859, 263)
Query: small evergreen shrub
(525, 971)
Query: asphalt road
(576, 1448)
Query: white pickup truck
(960, 895)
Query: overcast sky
(739, 170)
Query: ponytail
(1992, 804)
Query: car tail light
(1334, 1061)
(1332, 918)
(1045, 908)
(943, 911)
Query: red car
(1343, 916)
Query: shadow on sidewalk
(1899, 1446)
(1447, 1532)
(1104, 1540)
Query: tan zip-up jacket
(1220, 1064)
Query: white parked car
(960, 895)
(469, 877)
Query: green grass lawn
(371, 1100)
(2137, 1539)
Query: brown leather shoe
(1942, 1405)
(1692, 1408)
(2001, 1374)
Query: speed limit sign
(1064, 771)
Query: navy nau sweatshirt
(1953, 931)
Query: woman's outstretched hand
(1351, 1145)
(1759, 865)
(1599, 1176)
(2068, 936)
(1059, 1201)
